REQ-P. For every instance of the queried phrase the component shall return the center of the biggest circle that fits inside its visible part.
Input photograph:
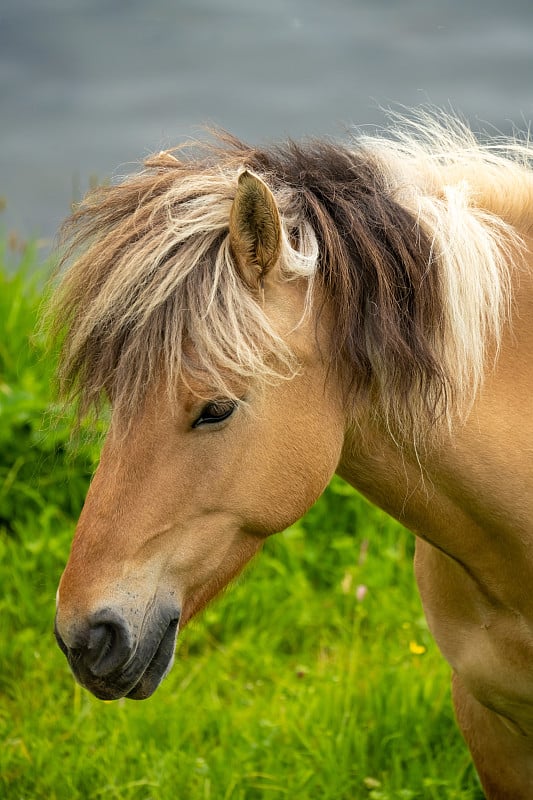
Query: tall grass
(314, 676)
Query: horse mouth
(159, 666)
(138, 678)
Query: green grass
(291, 685)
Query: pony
(259, 318)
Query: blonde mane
(409, 237)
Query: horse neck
(472, 494)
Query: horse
(257, 319)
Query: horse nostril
(100, 644)
(108, 645)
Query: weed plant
(314, 676)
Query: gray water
(89, 87)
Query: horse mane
(407, 237)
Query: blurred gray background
(89, 87)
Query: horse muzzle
(111, 659)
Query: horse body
(253, 341)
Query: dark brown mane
(376, 265)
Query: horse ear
(254, 230)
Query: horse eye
(216, 411)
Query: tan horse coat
(225, 445)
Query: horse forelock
(392, 234)
(149, 286)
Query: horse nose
(103, 645)
(108, 646)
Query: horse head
(208, 464)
